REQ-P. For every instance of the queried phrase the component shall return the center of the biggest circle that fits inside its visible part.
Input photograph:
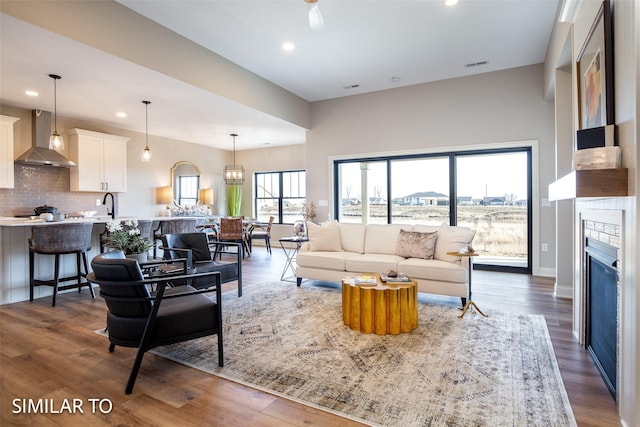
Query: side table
(470, 305)
(291, 247)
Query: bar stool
(60, 239)
(172, 226)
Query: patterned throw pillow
(412, 244)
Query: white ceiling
(363, 43)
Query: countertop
(26, 222)
(6, 221)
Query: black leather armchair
(137, 318)
(195, 247)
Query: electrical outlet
(98, 202)
(544, 247)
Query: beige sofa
(336, 250)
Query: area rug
(290, 341)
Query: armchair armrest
(162, 282)
(239, 260)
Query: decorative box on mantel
(590, 183)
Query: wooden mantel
(590, 183)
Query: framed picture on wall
(595, 73)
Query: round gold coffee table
(380, 308)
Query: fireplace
(601, 308)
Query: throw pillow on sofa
(324, 237)
(413, 244)
(452, 239)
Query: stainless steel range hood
(39, 153)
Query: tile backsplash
(40, 185)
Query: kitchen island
(14, 255)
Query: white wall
(481, 110)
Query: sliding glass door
(488, 191)
(493, 199)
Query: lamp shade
(165, 195)
(205, 196)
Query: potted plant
(125, 236)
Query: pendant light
(146, 154)
(315, 17)
(55, 142)
(234, 174)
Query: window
(420, 194)
(364, 192)
(486, 190)
(281, 195)
(188, 190)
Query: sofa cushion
(324, 237)
(452, 239)
(433, 269)
(352, 237)
(372, 263)
(324, 260)
(383, 238)
(412, 244)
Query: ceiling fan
(315, 17)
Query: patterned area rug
(476, 371)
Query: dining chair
(260, 232)
(232, 230)
(141, 319)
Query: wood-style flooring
(53, 353)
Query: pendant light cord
(55, 77)
(55, 105)
(234, 149)
(146, 123)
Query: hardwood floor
(53, 353)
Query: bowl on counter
(82, 214)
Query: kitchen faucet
(113, 208)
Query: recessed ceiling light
(121, 114)
(288, 46)
(31, 93)
(450, 2)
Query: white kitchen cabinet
(101, 159)
(6, 151)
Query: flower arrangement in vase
(308, 211)
(125, 236)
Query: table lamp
(165, 196)
(205, 197)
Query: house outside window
(280, 194)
